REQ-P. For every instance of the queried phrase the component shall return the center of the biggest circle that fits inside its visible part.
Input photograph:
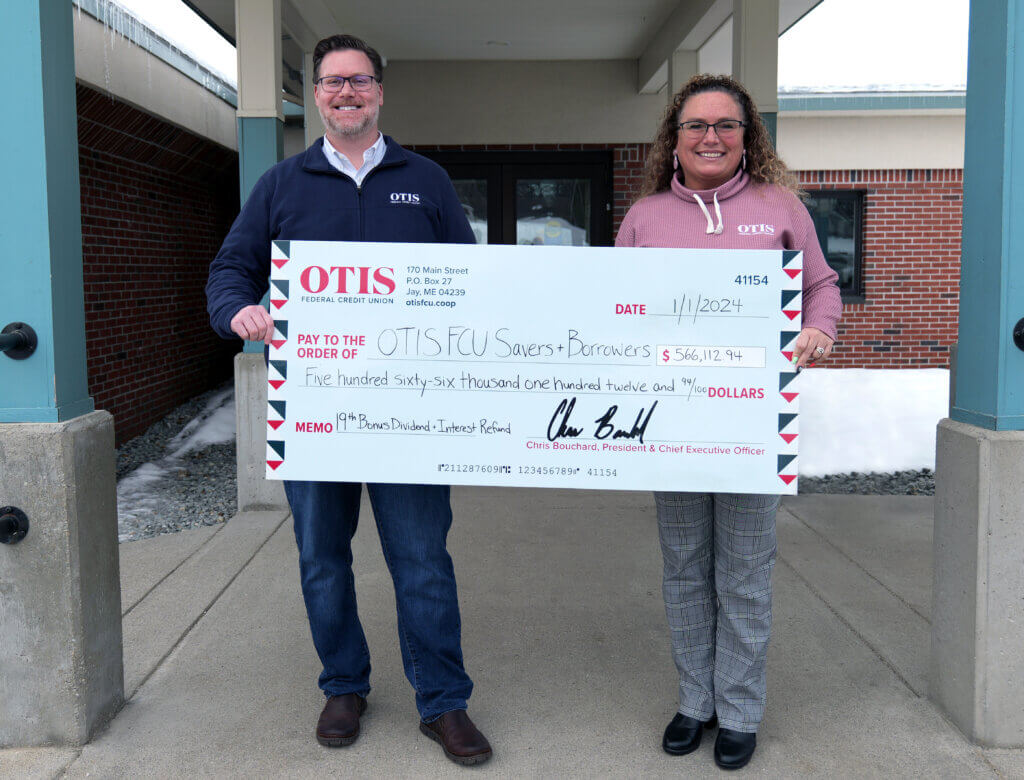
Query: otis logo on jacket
(755, 230)
(405, 197)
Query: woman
(711, 172)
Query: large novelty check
(581, 367)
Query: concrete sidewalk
(564, 634)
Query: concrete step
(881, 620)
(182, 593)
(147, 562)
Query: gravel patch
(898, 483)
(160, 492)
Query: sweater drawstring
(707, 214)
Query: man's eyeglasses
(726, 128)
(337, 83)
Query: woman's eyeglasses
(726, 128)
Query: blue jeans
(413, 523)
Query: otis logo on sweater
(348, 279)
(405, 197)
(754, 230)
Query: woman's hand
(812, 346)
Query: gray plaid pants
(719, 550)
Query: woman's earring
(675, 162)
(743, 161)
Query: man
(341, 189)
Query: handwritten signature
(560, 428)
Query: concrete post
(977, 668)
(977, 663)
(61, 672)
(755, 54)
(255, 491)
(60, 596)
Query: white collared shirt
(371, 159)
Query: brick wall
(627, 177)
(911, 261)
(156, 203)
(911, 273)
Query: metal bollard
(18, 340)
(13, 525)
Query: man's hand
(253, 323)
(812, 346)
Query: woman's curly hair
(763, 165)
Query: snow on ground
(214, 425)
(856, 419)
(134, 494)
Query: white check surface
(577, 367)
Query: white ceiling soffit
(792, 11)
(645, 30)
(690, 26)
(509, 30)
(297, 34)
(220, 14)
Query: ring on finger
(819, 351)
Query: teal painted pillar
(260, 146)
(990, 367)
(977, 617)
(771, 123)
(260, 141)
(40, 217)
(260, 116)
(61, 663)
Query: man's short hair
(345, 43)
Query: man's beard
(349, 129)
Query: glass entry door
(552, 210)
(473, 196)
(534, 198)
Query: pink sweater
(748, 216)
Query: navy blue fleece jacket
(407, 198)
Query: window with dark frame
(839, 222)
(525, 197)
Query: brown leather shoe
(461, 740)
(339, 722)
